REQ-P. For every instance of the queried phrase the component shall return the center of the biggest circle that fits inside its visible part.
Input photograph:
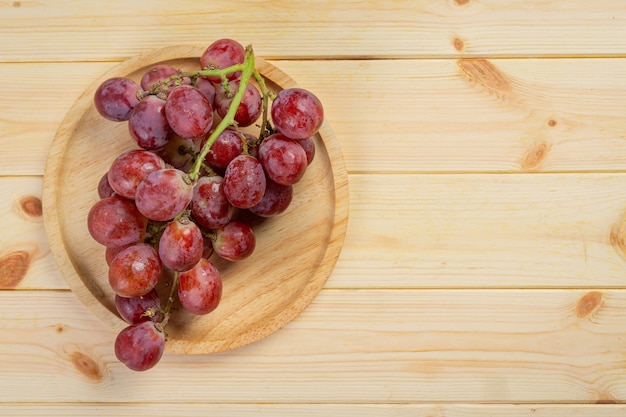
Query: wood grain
(562, 115)
(314, 410)
(349, 346)
(482, 272)
(78, 31)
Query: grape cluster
(171, 203)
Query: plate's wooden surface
(295, 251)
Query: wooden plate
(296, 251)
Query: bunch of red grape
(170, 204)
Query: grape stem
(170, 300)
(229, 118)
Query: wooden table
(484, 266)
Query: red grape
(244, 181)
(207, 88)
(104, 188)
(135, 270)
(222, 54)
(163, 194)
(227, 146)
(179, 152)
(188, 112)
(276, 199)
(249, 109)
(283, 159)
(115, 221)
(116, 97)
(135, 309)
(157, 74)
(200, 288)
(148, 125)
(181, 245)
(140, 346)
(309, 148)
(209, 205)
(235, 241)
(297, 113)
(130, 168)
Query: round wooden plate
(295, 253)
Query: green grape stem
(229, 118)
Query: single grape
(188, 112)
(207, 88)
(297, 113)
(135, 271)
(130, 168)
(115, 221)
(148, 125)
(276, 199)
(227, 146)
(181, 245)
(309, 148)
(163, 194)
(137, 309)
(157, 74)
(283, 159)
(140, 346)
(248, 110)
(104, 187)
(200, 288)
(116, 97)
(208, 247)
(244, 181)
(111, 252)
(209, 205)
(222, 54)
(235, 241)
(179, 152)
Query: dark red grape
(209, 205)
(104, 188)
(157, 74)
(116, 97)
(111, 252)
(148, 125)
(276, 199)
(222, 54)
(244, 181)
(227, 146)
(249, 109)
(137, 309)
(208, 89)
(188, 112)
(115, 221)
(135, 270)
(309, 148)
(163, 194)
(297, 113)
(283, 159)
(200, 288)
(235, 241)
(140, 346)
(181, 245)
(130, 168)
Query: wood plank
(360, 346)
(429, 231)
(311, 410)
(42, 31)
(547, 115)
